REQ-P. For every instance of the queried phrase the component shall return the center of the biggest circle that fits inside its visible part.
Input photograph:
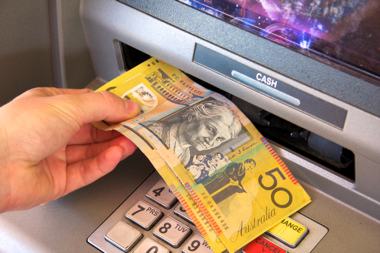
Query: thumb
(97, 106)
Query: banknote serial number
(271, 178)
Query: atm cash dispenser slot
(335, 158)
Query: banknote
(234, 183)
(143, 97)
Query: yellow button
(289, 231)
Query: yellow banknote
(132, 86)
(236, 185)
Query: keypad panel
(150, 221)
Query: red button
(262, 245)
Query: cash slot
(337, 159)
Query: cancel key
(289, 231)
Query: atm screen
(344, 31)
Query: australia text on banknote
(232, 181)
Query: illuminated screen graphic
(346, 31)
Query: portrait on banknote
(199, 129)
(145, 97)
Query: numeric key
(160, 193)
(172, 231)
(150, 246)
(180, 211)
(196, 244)
(144, 215)
(123, 236)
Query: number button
(144, 215)
(178, 210)
(172, 231)
(161, 194)
(123, 236)
(150, 246)
(196, 244)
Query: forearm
(5, 189)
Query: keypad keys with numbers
(196, 244)
(150, 246)
(172, 231)
(123, 236)
(144, 215)
(161, 194)
(178, 210)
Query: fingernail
(133, 108)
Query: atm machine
(307, 74)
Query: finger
(97, 106)
(76, 153)
(87, 171)
(90, 134)
(51, 91)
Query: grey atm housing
(170, 31)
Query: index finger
(97, 106)
(51, 91)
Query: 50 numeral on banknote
(273, 174)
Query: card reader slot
(338, 159)
(132, 56)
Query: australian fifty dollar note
(132, 86)
(234, 184)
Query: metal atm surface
(180, 35)
(167, 42)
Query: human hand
(49, 147)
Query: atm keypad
(150, 222)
